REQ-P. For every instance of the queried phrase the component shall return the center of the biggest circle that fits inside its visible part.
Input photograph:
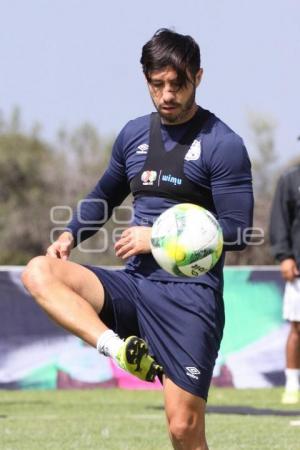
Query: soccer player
(149, 321)
(285, 238)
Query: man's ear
(198, 77)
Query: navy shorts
(181, 322)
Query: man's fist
(133, 241)
(289, 269)
(62, 247)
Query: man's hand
(62, 247)
(289, 269)
(133, 241)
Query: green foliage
(264, 173)
(86, 155)
(24, 195)
(36, 177)
(262, 129)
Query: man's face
(175, 103)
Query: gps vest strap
(163, 172)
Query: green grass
(128, 420)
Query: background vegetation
(37, 175)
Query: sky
(65, 62)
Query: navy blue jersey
(216, 160)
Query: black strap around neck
(195, 125)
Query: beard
(182, 113)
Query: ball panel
(163, 260)
(197, 268)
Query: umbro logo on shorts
(193, 372)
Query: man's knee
(179, 429)
(35, 274)
(187, 430)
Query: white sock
(109, 343)
(292, 379)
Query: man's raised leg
(73, 297)
(70, 294)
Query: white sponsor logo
(148, 177)
(170, 179)
(194, 151)
(142, 149)
(193, 372)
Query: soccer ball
(186, 240)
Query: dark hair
(168, 48)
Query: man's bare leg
(70, 294)
(292, 371)
(186, 418)
(293, 347)
(73, 297)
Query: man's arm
(280, 227)
(231, 183)
(235, 215)
(280, 231)
(97, 207)
(95, 210)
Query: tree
(87, 155)
(263, 170)
(40, 183)
(25, 196)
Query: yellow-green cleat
(134, 357)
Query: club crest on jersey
(142, 149)
(194, 151)
(148, 177)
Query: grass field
(128, 420)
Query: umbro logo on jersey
(194, 151)
(142, 149)
(193, 372)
